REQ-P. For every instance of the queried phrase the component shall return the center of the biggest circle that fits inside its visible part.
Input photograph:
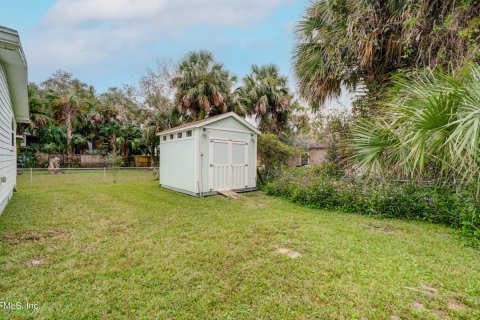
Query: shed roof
(13, 59)
(204, 122)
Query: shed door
(228, 165)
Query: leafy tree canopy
(353, 42)
(203, 86)
(266, 96)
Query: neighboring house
(13, 108)
(316, 154)
(211, 155)
(28, 140)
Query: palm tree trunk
(69, 134)
(114, 143)
(124, 150)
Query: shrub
(316, 187)
(273, 153)
(430, 130)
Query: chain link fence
(106, 175)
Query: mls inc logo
(14, 306)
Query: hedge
(323, 187)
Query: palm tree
(266, 96)
(68, 106)
(120, 102)
(352, 42)
(202, 86)
(126, 135)
(431, 131)
(39, 116)
(110, 130)
(53, 138)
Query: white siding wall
(8, 166)
(177, 164)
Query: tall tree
(126, 135)
(265, 95)
(69, 105)
(110, 129)
(61, 82)
(158, 110)
(39, 115)
(53, 138)
(121, 103)
(362, 42)
(202, 86)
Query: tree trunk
(114, 143)
(124, 150)
(152, 150)
(69, 133)
(152, 154)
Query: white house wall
(8, 167)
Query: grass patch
(133, 250)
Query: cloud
(180, 12)
(74, 12)
(102, 35)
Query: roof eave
(223, 116)
(15, 64)
(174, 130)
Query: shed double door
(228, 165)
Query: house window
(171, 137)
(179, 135)
(189, 133)
(164, 138)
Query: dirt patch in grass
(36, 262)
(35, 236)
(290, 253)
(383, 229)
(428, 289)
(23, 236)
(418, 306)
(442, 314)
(424, 289)
(87, 249)
(456, 306)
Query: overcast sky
(112, 42)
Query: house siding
(8, 155)
(317, 156)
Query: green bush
(322, 187)
(274, 153)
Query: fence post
(104, 174)
(31, 176)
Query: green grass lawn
(136, 251)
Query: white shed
(215, 154)
(13, 108)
